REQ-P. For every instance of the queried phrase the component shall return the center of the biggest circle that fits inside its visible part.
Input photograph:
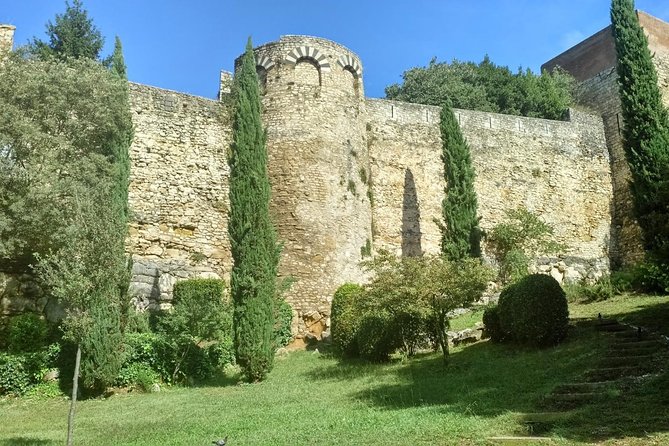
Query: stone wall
(559, 170)
(6, 39)
(178, 191)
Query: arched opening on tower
(262, 78)
(354, 79)
(307, 72)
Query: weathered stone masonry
(348, 172)
(332, 153)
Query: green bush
(200, 317)
(283, 318)
(652, 277)
(376, 337)
(26, 332)
(493, 327)
(345, 318)
(19, 372)
(603, 289)
(534, 311)
(137, 375)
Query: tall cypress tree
(646, 130)
(255, 251)
(117, 61)
(460, 232)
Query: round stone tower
(313, 111)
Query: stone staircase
(631, 352)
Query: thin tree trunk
(73, 401)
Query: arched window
(307, 72)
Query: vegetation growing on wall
(486, 87)
(255, 251)
(646, 130)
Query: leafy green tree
(73, 35)
(517, 239)
(254, 247)
(410, 299)
(646, 130)
(64, 133)
(486, 87)
(460, 232)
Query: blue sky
(183, 45)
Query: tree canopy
(486, 86)
(72, 35)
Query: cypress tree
(255, 251)
(117, 61)
(646, 130)
(460, 233)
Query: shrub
(26, 332)
(376, 337)
(345, 318)
(493, 327)
(521, 236)
(603, 289)
(534, 311)
(200, 316)
(137, 375)
(652, 277)
(19, 372)
(283, 318)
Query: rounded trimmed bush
(345, 318)
(534, 311)
(376, 336)
(493, 327)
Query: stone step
(632, 361)
(538, 423)
(604, 321)
(612, 328)
(584, 387)
(631, 334)
(568, 401)
(632, 351)
(612, 373)
(520, 441)
(624, 343)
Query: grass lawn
(313, 399)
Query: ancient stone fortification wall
(178, 191)
(560, 170)
(6, 38)
(313, 112)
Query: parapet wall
(560, 170)
(178, 191)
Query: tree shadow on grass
(652, 317)
(483, 379)
(25, 441)
(488, 380)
